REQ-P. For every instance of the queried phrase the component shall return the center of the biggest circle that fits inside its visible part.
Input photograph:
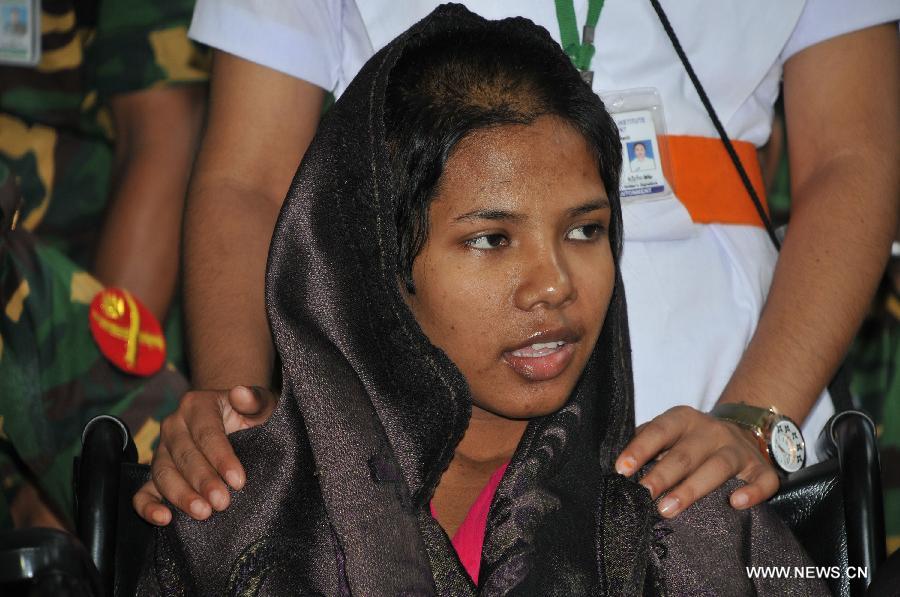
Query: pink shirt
(469, 537)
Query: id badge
(639, 116)
(20, 32)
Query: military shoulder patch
(127, 333)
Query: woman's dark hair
(456, 83)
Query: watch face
(787, 446)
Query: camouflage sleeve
(142, 44)
(53, 377)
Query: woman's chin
(525, 388)
(527, 400)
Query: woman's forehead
(519, 168)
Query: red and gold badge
(127, 333)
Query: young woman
(444, 295)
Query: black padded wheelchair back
(834, 507)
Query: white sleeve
(301, 38)
(824, 19)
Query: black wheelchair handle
(106, 445)
(850, 437)
(827, 442)
(128, 447)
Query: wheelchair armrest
(811, 503)
(47, 562)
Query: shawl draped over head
(340, 477)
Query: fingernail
(234, 479)
(739, 500)
(626, 466)
(218, 498)
(159, 517)
(669, 506)
(199, 509)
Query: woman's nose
(545, 282)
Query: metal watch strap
(752, 417)
(763, 423)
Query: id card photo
(642, 172)
(19, 32)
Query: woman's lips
(540, 361)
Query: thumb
(252, 402)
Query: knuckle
(725, 462)
(686, 493)
(208, 484)
(681, 459)
(650, 482)
(730, 432)
(655, 427)
(661, 477)
(641, 452)
(207, 436)
(682, 412)
(733, 455)
(161, 456)
(165, 428)
(758, 473)
(146, 490)
(161, 475)
(183, 458)
(221, 463)
(139, 499)
(769, 479)
(192, 402)
(747, 455)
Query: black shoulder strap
(839, 387)
(717, 123)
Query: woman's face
(515, 278)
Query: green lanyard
(581, 52)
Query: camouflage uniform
(56, 158)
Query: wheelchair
(834, 508)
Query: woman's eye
(487, 241)
(586, 232)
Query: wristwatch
(779, 437)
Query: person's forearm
(227, 233)
(260, 123)
(843, 148)
(138, 248)
(832, 259)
